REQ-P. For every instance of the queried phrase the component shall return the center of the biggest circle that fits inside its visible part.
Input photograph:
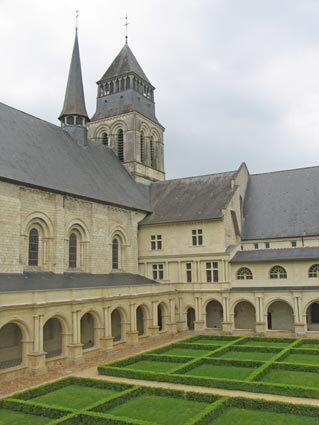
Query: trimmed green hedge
(33, 409)
(99, 419)
(256, 386)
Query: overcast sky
(236, 80)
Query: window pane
(208, 275)
(200, 240)
(33, 247)
(115, 254)
(72, 250)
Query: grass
(153, 366)
(301, 358)
(158, 409)
(10, 417)
(265, 343)
(220, 371)
(242, 416)
(74, 396)
(309, 344)
(246, 355)
(186, 352)
(292, 377)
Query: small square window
(156, 242)
(256, 245)
(158, 271)
(212, 271)
(293, 244)
(267, 245)
(197, 237)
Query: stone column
(181, 323)
(260, 319)
(171, 325)
(107, 340)
(133, 334)
(199, 323)
(36, 359)
(154, 329)
(75, 348)
(300, 322)
(228, 321)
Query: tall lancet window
(33, 247)
(73, 251)
(105, 139)
(120, 145)
(115, 254)
(152, 149)
(142, 146)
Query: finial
(76, 20)
(126, 25)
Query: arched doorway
(214, 315)
(313, 317)
(140, 320)
(280, 316)
(161, 317)
(11, 350)
(245, 316)
(87, 331)
(190, 318)
(116, 325)
(52, 338)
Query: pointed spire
(74, 102)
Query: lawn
(265, 343)
(309, 344)
(246, 355)
(292, 377)
(220, 371)
(158, 409)
(238, 416)
(74, 396)
(295, 357)
(153, 366)
(211, 341)
(186, 352)
(10, 417)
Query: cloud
(236, 80)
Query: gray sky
(237, 80)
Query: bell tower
(125, 119)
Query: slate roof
(37, 281)
(276, 255)
(38, 153)
(124, 63)
(74, 103)
(190, 199)
(282, 204)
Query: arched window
(152, 151)
(105, 139)
(73, 251)
(244, 273)
(142, 147)
(278, 272)
(33, 247)
(120, 145)
(314, 271)
(115, 254)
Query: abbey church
(98, 249)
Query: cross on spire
(126, 25)
(76, 19)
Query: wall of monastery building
(55, 216)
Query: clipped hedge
(99, 419)
(32, 409)
(261, 338)
(256, 386)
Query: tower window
(33, 247)
(152, 151)
(105, 139)
(120, 145)
(72, 251)
(142, 146)
(70, 120)
(115, 254)
(79, 121)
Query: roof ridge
(195, 177)
(30, 115)
(284, 171)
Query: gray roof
(276, 255)
(282, 204)
(124, 63)
(37, 153)
(190, 199)
(38, 281)
(74, 103)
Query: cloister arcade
(68, 333)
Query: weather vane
(76, 19)
(126, 25)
